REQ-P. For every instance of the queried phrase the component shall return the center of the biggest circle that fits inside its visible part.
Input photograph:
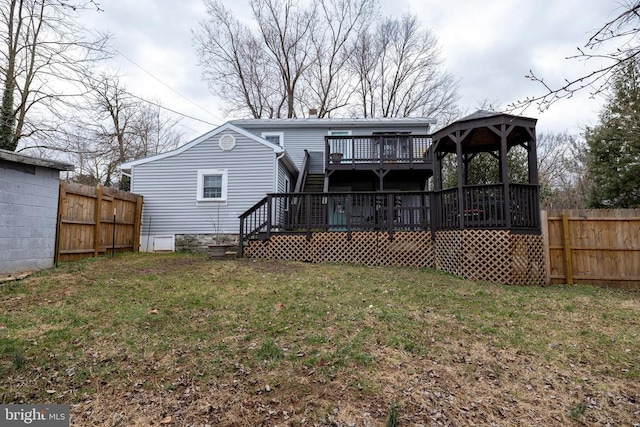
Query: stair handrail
(243, 219)
(302, 176)
(302, 179)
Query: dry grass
(181, 340)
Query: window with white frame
(276, 138)
(212, 185)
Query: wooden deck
(481, 207)
(390, 152)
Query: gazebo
(490, 228)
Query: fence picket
(85, 227)
(598, 247)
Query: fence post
(137, 224)
(113, 237)
(566, 241)
(544, 224)
(61, 196)
(97, 217)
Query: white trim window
(276, 138)
(212, 185)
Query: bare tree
(329, 82)
(256, 72)
(235, 64)
(325, 57)
(44, 57)
(562, 170)
(399, 71)
(121, 127)
(618, 37)
(363, 61)
(285, 29)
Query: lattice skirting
(490, 255)
(527, 258)
(497, 256)
(408, 248)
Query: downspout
(277, 170)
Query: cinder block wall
(28, 210)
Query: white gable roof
(225, 127)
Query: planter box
(218, 251)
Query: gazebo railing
(525, 211)
(483, 206)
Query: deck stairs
(314, 184)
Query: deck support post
(390, 203)
(307, 201)
(269, 214)
(349, 211)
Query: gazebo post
(533, 167)
(533, 157)
(504, 175)
(435, 198)
(459, 165)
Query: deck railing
(362, 211)
(483, 206)
(376, 149)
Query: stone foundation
(199, 242)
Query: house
(28, 211)
(352, 190)
(200, 190)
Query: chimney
(313, 113)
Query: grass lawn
(179, 339)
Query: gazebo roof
(482, 131)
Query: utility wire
(95, 34)
(171, 110)
(161, 82)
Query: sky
(489, 45)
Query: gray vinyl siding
(169, 187)
(283, 174)
(296, 140)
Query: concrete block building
(29, 191)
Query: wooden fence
(94, 221)
(599, 247)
